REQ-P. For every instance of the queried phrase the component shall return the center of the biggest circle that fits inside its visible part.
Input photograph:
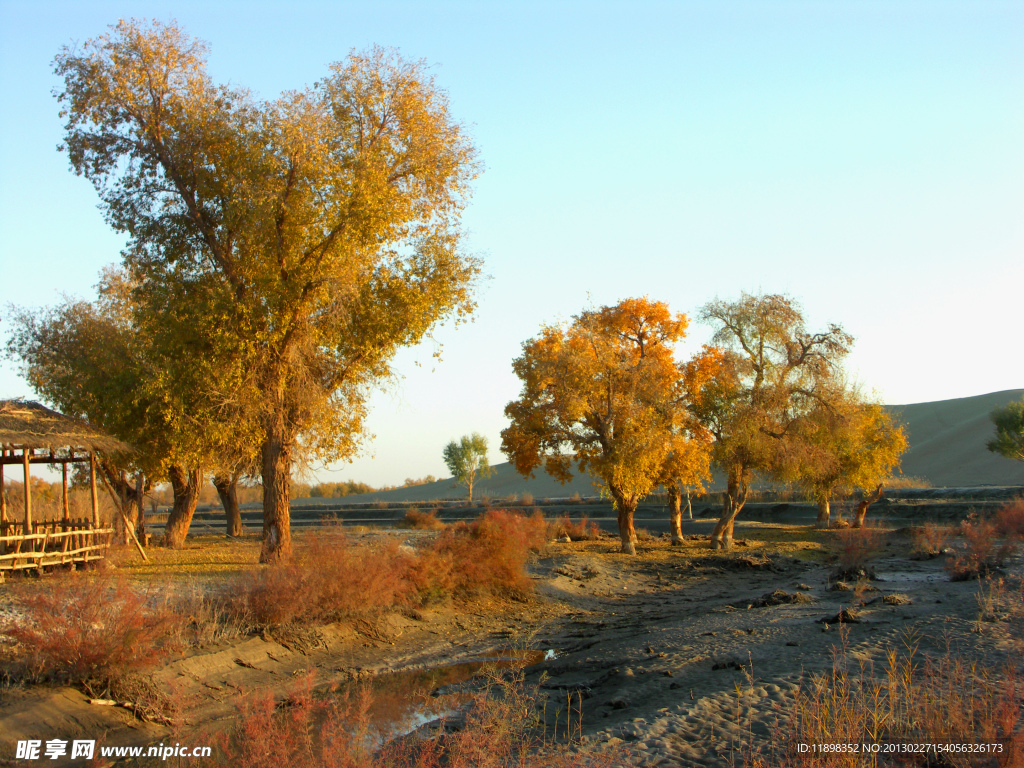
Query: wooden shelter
(33, 434)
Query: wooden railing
(57, 542)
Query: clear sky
(865, 157)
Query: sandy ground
(671, 654)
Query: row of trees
(766, 399)
(279, 252)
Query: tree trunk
(186, 485)
(824, 512)
(675, 513)
(277, 470)
(689, 505)
(626, 506)
(127, 497)
(227, 489)
(733, 500)
(862, 507)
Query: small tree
(467, 459)
(1009, 439)
(603, 392)
(842, 445)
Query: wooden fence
(58, 542)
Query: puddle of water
(404, 701)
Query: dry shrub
(526, 499)
(329, 579)
(488, 554)
(583, 529)
(87, 627)
(1009, 520)
(942, 700)
(498, 729)
(929, 540)
(980, 553)
(424, 521)
(853, 550)
(1002, 600)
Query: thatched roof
(24, 423)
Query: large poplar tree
(773, 373)
(318, 229)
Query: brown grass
(912, 699)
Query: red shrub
(854, 549)
(1009, 520)
(980, 553)
(329, 579)
(422, 520)
(78, 627)
(489, 554)
(582, 530)
(336, 730)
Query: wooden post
(92, 487)
(3, 495)
(67, 508)
(25, 454)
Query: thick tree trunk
(186, 485)
(675, 513)
(862, 507)
(227, 489)
(277, 470)
(626, 506)
(824, 513)
(127, 497)
(733, 500)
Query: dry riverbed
(676, 656)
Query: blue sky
(864, 157)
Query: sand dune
(947, 441)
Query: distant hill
(947, 441)
(947, 448)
